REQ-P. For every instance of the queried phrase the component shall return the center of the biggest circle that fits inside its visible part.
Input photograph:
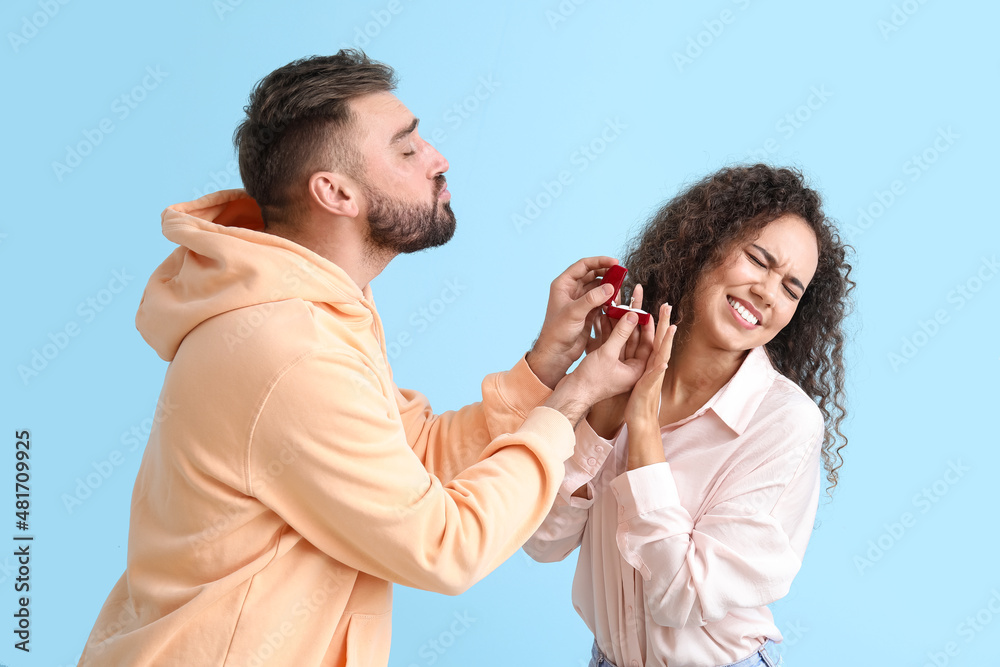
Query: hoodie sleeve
(357, 491)
(454, 440)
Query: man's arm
(452, 441)
(359, 493)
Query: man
(288, 481)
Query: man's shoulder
(268, 336)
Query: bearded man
(292, 482)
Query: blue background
(891, 574)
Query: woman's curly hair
(698, 229)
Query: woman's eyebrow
(771, 260)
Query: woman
(693, 498)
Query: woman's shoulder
(789, 392)
(789, 409)
(772, 398)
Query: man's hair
(298, 122)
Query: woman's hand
(608, 371)
(607, 417)
(642, 412)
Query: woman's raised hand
(643, 408)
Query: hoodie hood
(226, 261)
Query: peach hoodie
(287, 480)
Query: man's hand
(574, 298)
(610, 370)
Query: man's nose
(438, 164)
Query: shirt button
(599, 448)
(635, 663)
(592, 461)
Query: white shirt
(679, 559)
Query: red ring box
(616, 276)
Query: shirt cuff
(644, 490)
(589, 455)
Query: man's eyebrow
(405, 131)
(771, 260)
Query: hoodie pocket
(368, 639)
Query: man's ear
(334, 193)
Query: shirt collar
(738, 400)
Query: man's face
(406, 198)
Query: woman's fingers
(636, 301)
(664, 336)
(668, 343)
(636, 339)
(647, 342)
(645, 399)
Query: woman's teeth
(744, 313)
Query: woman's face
(744, 302)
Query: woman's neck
(696, 372)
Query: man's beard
(403, 227)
